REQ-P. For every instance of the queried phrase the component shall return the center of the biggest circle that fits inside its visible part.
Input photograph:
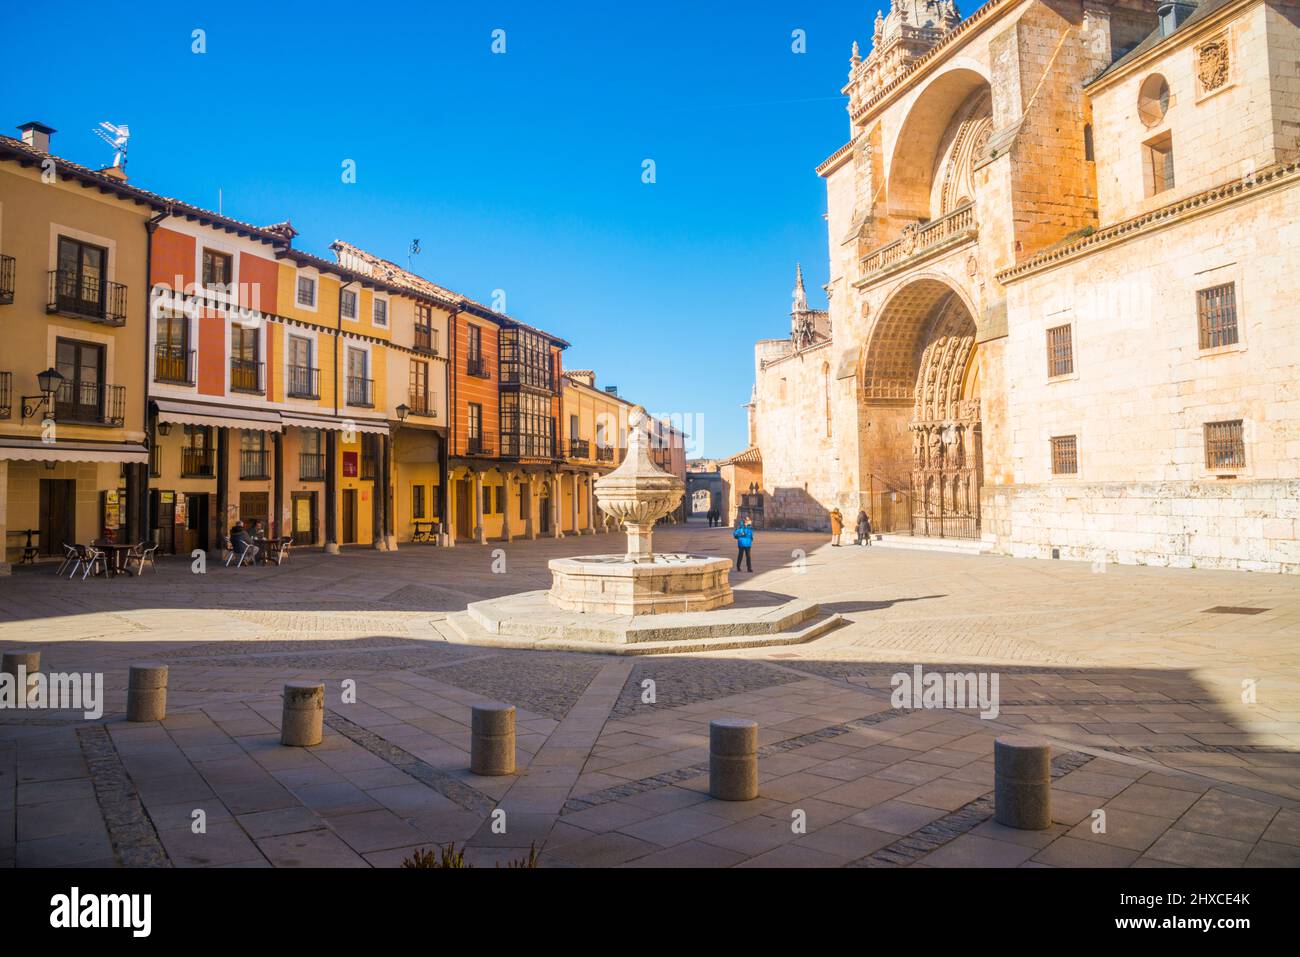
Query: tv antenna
(412, 250)
(116, 137)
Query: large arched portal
(920, 391)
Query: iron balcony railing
(311, 466)
(424, 341)
(475, 366)
(369, 468)
(254, 463)
(361, 391)
(90, 403)
(6, 394)
(6, 280)
(604, 453)
(420, 403)
(918, 237)
(197, 462)
(579, 449)
(86, 298)
(246, 375)
(475, 445)
(171, 364)
(304, 382)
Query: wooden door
(304, 518)
(58, 515)
(349, 516)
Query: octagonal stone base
(611, 585)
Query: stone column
(331, 492)
(573, 505)
(29, 662)
(449, 506)
(506, 534)
(5, 567)
(480, 531)
(591, 504)
(556, 507)
(223, 491)
(532, 508)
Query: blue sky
(520, 172)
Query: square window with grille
(348, 303)
(1225, 445)
(306, 291)
(1060, 351)
(1216, 315)
(1065, 455)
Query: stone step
(462, 628)
(953, 546)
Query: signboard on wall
(350, 469)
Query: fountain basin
(614, 585)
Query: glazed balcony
(83, 297)
(920, 238)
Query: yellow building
(73, 270)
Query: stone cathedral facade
(1064, 301)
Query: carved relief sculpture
(1212, 64)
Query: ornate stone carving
(1212, 63)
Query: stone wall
(1250, 526)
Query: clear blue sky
(519, 172)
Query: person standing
(864, 528)
(744, 536)
(837, 526)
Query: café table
(116, 552)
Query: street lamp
(49, 381)
(403, 411)
(164, 429)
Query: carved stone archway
(917, 381)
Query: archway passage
(920, 381)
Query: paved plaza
(1171, 698)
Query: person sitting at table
(240, 539)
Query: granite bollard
(1022, 783)
(302, 722)
(146, 692)
(29, 661)
(492, 739)
(733, 759)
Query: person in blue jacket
(744, 536)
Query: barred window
(348, 303)
(306, 291)
(1225, 445)
(1060, 351)
(1065, 455)
(1216, 314)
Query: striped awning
(34, 450)
(225, 416)
(342, 423)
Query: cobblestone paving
(542, 682)
(683, 681)
(1181, 724)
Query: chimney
(37, 135)
(612, 389)
(116, 172)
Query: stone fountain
(637, 494)
(639, 602)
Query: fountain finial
(638, 493)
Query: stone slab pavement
(1171, 697)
